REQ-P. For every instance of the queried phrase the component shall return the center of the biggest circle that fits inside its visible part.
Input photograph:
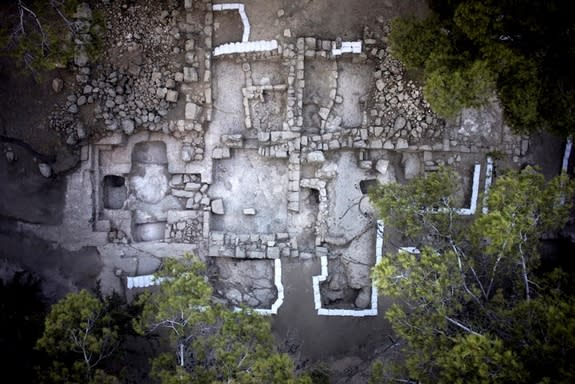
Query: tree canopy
(471, 50)
(41, 35)
(79, 334)
(210, 343)
(474, 304)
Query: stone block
(256, 254)
(193, 186)
(323, 113)
(192, 111)
(249, 211)
(217, 206)
(273, 253)
(190, 74)
(401, 144)
(172, 96)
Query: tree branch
(524, 271)
(458, 324)
(44, 43)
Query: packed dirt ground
(258, 161)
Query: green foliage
(448, 92)
(210, 343)
(478, 359)
(401, 206)
(522, 206)
(319, 374)
(471, 307)
(544, 328)
(478, 20)
(376, 376)
(39, 35)
(523, 50)
(412, 41)
(79, 329)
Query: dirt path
(323, 338)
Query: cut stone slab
(192, 111)
(190, 75)
(249, 211)
(401, 144)
(382, 166)
(187, 153)
(217, 206)
(315, 157)
(193, 186)
(411, 165)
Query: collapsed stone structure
(254, 154)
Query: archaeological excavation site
(249, 135)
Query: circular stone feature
(152, 186)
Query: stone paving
(267, 163)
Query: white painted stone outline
(144, 281)
(474, 193)
(316, 280)
(567, 153)
(241, 9)
(347, 47)
(280, 288)
(245, 45)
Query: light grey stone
(57, 85)
(45, 170)
(192, 111)
(172, 96)
(363, 298)
(234, 296)
(217, 206)
(401, 144)
(193, 186)
(249, 211)
(128, 126)
(323, 113)
(83, 11)
(399, 123)
(187, 153)
(315, 157)
(10, 156)
(80, 56)
(382, 166)
(411, 165)
(190, 74)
